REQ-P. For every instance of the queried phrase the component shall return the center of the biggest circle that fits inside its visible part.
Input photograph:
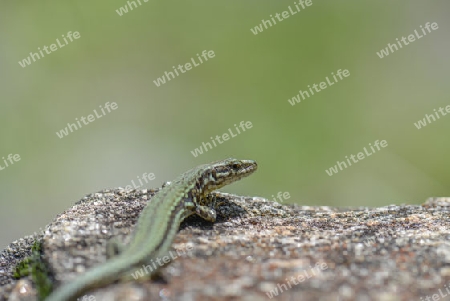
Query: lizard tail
(94, 278)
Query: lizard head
(224, 172)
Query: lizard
(157, 225)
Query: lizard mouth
(248, 167)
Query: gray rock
(256, 250)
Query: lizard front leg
(192, 206)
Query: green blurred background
(251, 78)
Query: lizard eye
(236, 166)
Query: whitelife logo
(12, 159)
(53, 47)
(169, 75)
(411, 38)
(244, 125)
(360, 155)
(90, 118)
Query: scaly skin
(159, 222)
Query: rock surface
(256, 250)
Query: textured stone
(255, 247)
